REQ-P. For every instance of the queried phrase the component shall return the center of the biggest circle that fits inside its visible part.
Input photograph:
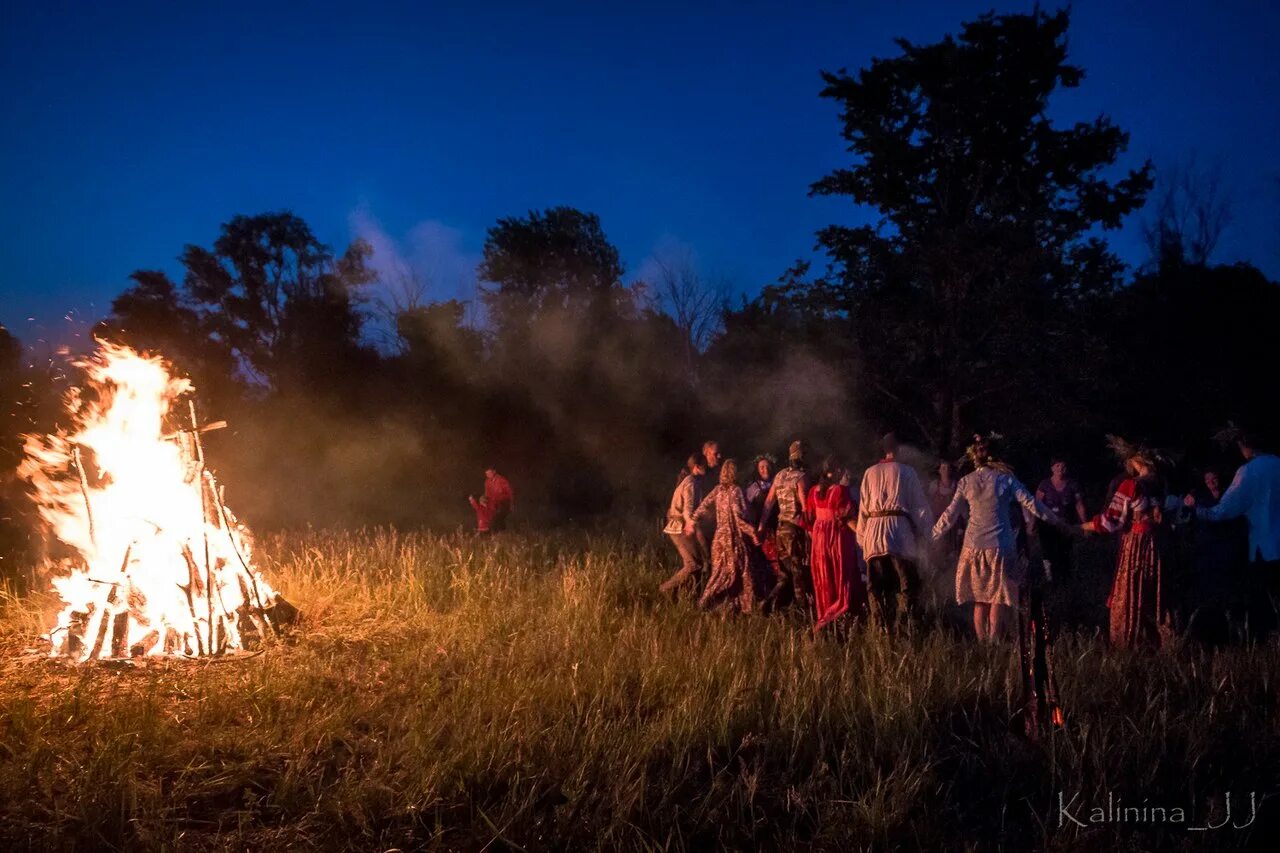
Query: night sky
(130, 129)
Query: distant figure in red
(499, 498)
(484, 513)
(833, 549)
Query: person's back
(826, 506)
(893, 510)
(990, 518)
(786, 492)
(1259, 478)
(1267, 500)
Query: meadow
(536, 692)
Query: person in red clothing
(484, 513)
(1139, 600)
(833, 549)
(499, 498)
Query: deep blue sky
(130, 129)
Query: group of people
(793, 536)
(802, 536)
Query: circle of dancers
(764, 538)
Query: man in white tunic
(894, 522)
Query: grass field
(535, 692)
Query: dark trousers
(1262, 597)
(1056, 547)
(793, 549)
(690, 560)
(895, 588)
(499, 520)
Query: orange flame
(160, 565)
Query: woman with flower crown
(991, 569)
(1139, 600)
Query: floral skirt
(1137, 601)
(989, 576)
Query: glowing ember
(158, 565)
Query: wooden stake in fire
(84, 490)
(204, 518)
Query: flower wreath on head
(1228, 435)
(765, 457)
(1125, 451)
(991, 458)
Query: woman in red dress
(838, 587)
(1139, 605)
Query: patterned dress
(1138, 602)
(731, 578)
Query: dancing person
(1139, 601)
(1254, 494)
(704, 484)
(942, 488)
(991, 570)
(833, 548)
(893, 524)
(731, 580)
(1065, 498)
(944, 553)
(1220, 551)
(680, 526)
(710, 476)
(758, 489)
(787, 493)
(757, 492)
(484, 513)
(499, 497)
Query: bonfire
(153, 561)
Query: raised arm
(706, 508)
(802, 487)
(770, 501)
(680, 503)
(863, 491)
(1033, 506)
(951, 514)
(1116, 515)
(740, 515)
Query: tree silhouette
(1189, 213)
(268, 300)
(959, 296)
(550, 263)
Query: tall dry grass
(536, 692)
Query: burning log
(164, 567)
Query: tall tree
(154, 315)
(546, 263)
(1188, 215)
(279, 298)
(695, 304)
(960, 296)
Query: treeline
(986, 297)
